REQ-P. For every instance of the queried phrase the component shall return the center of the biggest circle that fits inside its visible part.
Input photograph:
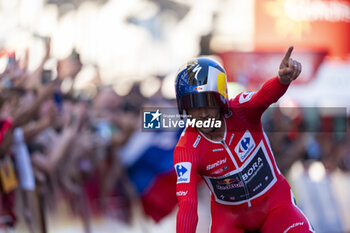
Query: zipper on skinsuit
(239, 173)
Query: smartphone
(6, 80)
(58, 100)
(8, 84)
(12, 58)
(46, 76)
(104, 130)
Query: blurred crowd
(308, 135)
(60, 145)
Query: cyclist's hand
(289, 68)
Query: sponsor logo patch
(229, 183)
(245, 96)
(183, 171)
(245, 146)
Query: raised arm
(253, 104)
(186, 190)
(25, 114)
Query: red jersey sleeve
(186, 167)
(253, 104)
(5, 125)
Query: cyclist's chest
(241, 142)
(238, 169)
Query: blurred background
(74, 75)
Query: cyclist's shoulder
(188, 147)
(188, 138)
(242, 99)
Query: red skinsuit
(248, 192)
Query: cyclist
(234, 158)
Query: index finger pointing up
(287, 55)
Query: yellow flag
(7, 175)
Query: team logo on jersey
(245, 146)
(245, 96)
(216, 164)
(251, 180)
(229, 183)
(183, 171)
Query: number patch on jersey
(183, 171)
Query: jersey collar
(216, 142)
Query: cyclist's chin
(207, 130)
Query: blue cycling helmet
(201, 83)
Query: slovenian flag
(148, 157)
